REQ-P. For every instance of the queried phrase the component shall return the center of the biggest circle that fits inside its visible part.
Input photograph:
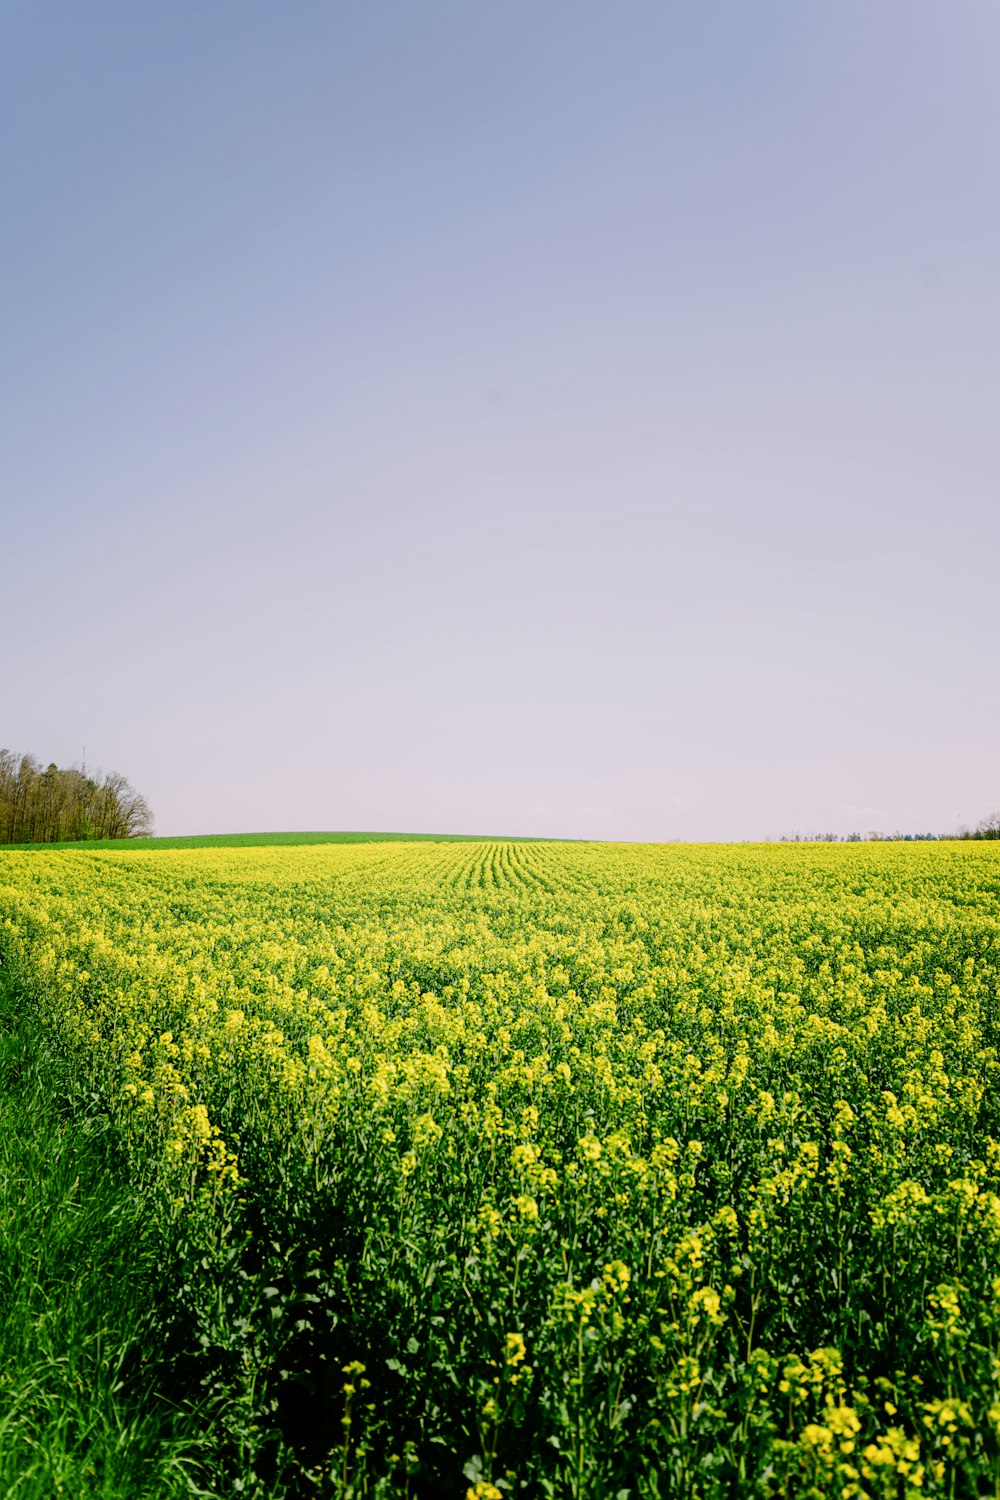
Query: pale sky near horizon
(565, 418)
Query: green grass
(79, 1415)
(260, 840)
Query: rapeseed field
(566, 1170)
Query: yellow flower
(515, 1350)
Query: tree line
(49, 805)
(987, 828)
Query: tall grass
(79, 1287)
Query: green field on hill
(273, 840)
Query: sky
(571, 419)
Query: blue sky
(564, 418)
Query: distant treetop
(988, 828)
(53, 806)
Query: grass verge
(80, 1260)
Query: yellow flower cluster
(691, 1120)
